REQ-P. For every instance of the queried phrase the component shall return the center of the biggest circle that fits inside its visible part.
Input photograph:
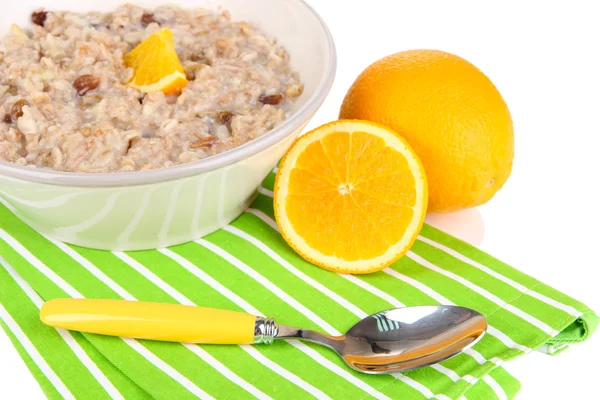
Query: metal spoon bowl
(400, 339)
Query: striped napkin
(247, 266)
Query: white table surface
(545, 61)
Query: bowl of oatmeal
(88, 158)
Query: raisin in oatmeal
(65, 104)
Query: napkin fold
(247, 266)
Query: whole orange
(450, 113)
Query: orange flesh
(351, 196)
(156, 65)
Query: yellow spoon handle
(156, 321)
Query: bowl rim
(115, 179)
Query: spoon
(389, 341)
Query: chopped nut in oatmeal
(65, 103)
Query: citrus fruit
(451, 114)
(155, 64)
(350, 196)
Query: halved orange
(155, 64)
(350, 196)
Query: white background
(544, 57)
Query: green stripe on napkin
(247, 266)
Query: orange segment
(350, 196)
(155, 64)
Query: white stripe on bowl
(45, 204)
(123, 238)
(198, 206)
(164, 229)
(94, 220)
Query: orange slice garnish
(155, 64)
(350, 196)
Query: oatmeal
(65, 103)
